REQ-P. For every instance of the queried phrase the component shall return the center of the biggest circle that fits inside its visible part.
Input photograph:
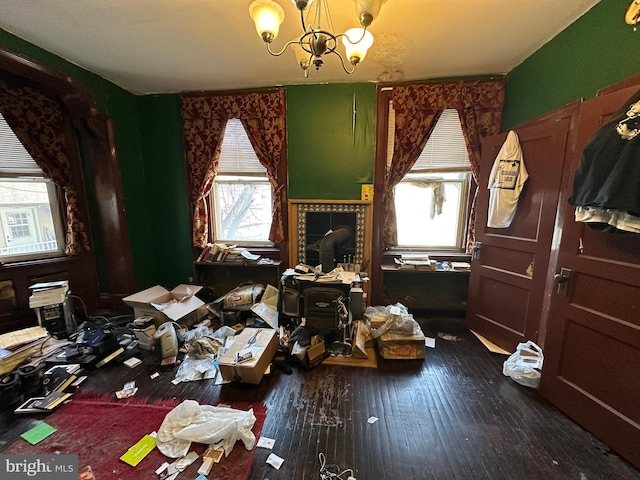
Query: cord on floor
(332, 471)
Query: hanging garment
(506, 181)
(606, 185)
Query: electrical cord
(332, 471)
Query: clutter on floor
(310, 319)
(130, 447)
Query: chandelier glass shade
(317, 39)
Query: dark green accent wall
(169, 229)
(597, 50)
(331, 138)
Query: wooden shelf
(428, 290)
(223, 277)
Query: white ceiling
(162, 46)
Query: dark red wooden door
(592, 348)
(510, 270)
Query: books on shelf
(220, 252)
(415, 263)
(464, 266)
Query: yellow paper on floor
(492, 347)
(140, 450)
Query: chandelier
(317, 39)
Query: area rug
(100, 431)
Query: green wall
(167, 203)
(331, 138)
(597, 50)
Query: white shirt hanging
(506, 180)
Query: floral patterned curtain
(267, 136)
(204, 119)
(38, 120)
(417, 107)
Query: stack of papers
(48, 293)
(17, 346)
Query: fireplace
(312, 220)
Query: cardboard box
(267, 308)
(376, 321)
(392, 345)
(262, 343)
(359, 348)
(180, 304)
(313, 355)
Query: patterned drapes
(38, 120)
(204, 120)
(417, 108)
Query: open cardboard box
(267, 308)
(178, 305)
(312, 355)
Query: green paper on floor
(38, 433)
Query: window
(431, 200)
(241, 196)
(30, 221)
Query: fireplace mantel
(298, 210)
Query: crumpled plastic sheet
(398, 320)
(201, 367)
(191, 422)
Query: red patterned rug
(100, 431)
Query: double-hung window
(241, 198)
(30, 220)
(431, 201)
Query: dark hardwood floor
(452, 416)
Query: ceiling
(163, 46)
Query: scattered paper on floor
(275, 461)
(265, 442)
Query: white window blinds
(445, 149)
(237, 156)
(15, 161)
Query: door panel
(508, 280)
(592, 347)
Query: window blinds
(445, 149)
(15, 161)
(237, 156)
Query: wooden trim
(382, 119)
(336, 202)
(110, 204)
(77, 99)
(368, 230)
(94, 130)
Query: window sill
(33, 261)
(439, 255)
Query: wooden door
(509, 272)
(592, 348)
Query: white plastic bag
(525, 364)
(191, 422)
